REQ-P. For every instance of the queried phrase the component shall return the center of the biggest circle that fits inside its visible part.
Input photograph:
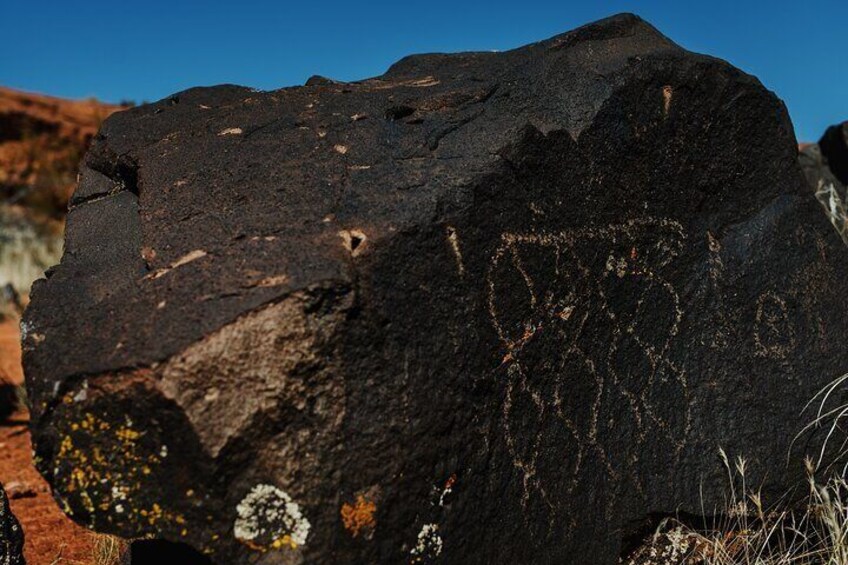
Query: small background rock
(11, 534)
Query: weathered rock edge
(487, 307)
(11, 534)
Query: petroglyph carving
(774, 333)
(594, 302)
(453, 239)
(714, 293)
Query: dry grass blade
(812, 531)
(110, 550)
(837, 413)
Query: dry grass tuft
(809, 531)
(111, 550)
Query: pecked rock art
(484, 308)
(565, 288)
(773, 333)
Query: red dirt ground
(51, 537)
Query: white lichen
(119, 492)
(268, 514)
(429, 544)
(82, 393)
(26, 329)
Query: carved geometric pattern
(596, 306)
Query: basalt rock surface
(11, 534)
(485, 308)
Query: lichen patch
(101, 467)
(358, 517)
(428, 546)
(268, 518)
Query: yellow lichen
(127, 434)
(104, 475)
(285, 541)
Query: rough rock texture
(11, 534)
(825, 165)
(485, 308)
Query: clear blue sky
(146, 50)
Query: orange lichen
(359, 516)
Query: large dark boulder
(11, 534)
(485, 308)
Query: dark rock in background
(485, 308)
(10, 302)
(834, 148)
(825, 165)
(9, 399)
(11, 534)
